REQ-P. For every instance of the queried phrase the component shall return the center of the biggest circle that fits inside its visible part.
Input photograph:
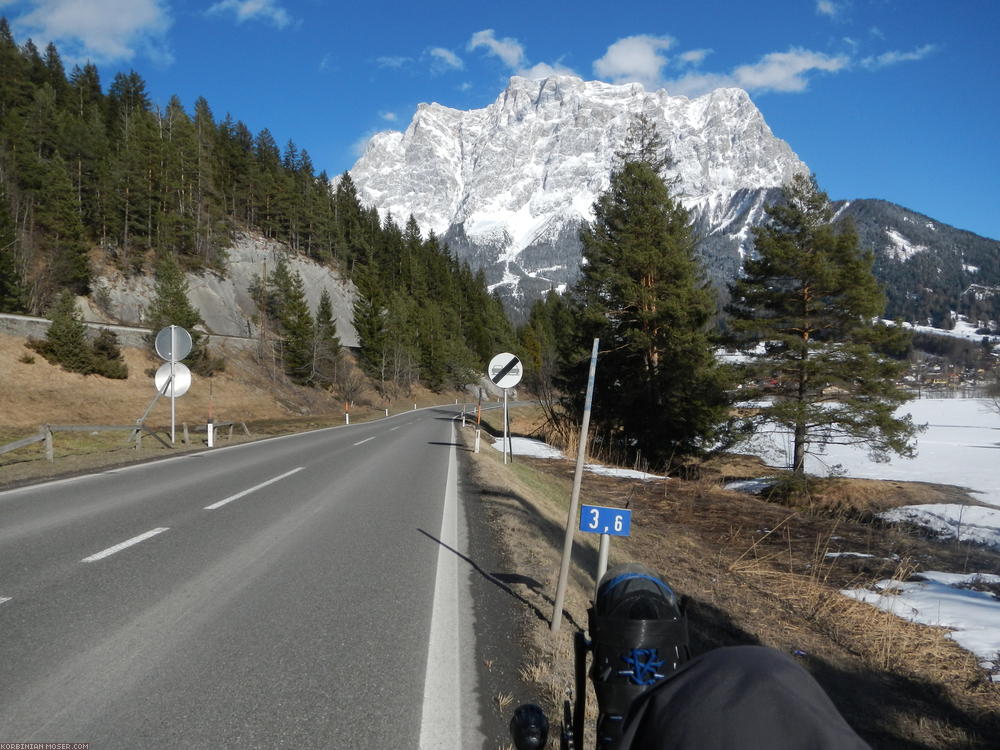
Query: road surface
(300, 592)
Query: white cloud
(827, 8)
(635, 59)
(894, 57)
(694, 56)
(511, 53)
(249, 10)
(508, 50)
(447, 58)
(465, 86)
(393, 62)
(102, 32)
(785, 71)
(544, 70)
(388, 116)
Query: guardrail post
(187, 439)
(49, 449)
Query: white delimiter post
(574, 501)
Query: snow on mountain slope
(508, 185)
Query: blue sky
(893, 99)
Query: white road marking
(441, 719)
(4, 599)
(391, 429)
(238, 495)
(124, 545)
(364, 441)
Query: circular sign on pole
(182, 379)
(505, 370)
(173, 343)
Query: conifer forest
(92, 173)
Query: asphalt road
(300, 592)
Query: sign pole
(173, 399)
(575, 497)
(602, 560)
(505, 425)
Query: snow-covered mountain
(508, 185)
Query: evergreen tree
(65, 341)
(658, 388)
(370, 324)
(297, 328)
(170, 306)
(326, 344)
(107, 356)
(803, 312)
(12, 292)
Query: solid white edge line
(440, 721)
(238, 495)
(364, 441)
(124, 545)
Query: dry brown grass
(757, 572)
(37, 393)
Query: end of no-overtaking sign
(505, 370)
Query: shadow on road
(500, 580)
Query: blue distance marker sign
(596, 519)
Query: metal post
(505, 425)
(574, 502)
(173, 400)
(602, 560)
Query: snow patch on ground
(970, 524)
(537, 449)
(972, 616)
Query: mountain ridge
(507, 187)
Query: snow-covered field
(961, 446)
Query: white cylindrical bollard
(211, 435)
(347, 418)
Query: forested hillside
(92, 176)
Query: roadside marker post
(608, 522)
(574, 500)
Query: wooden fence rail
(47, 431)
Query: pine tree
(326, 344)
(803, 312)
(12, 292)
(370, 308)
(107, 356)
(658, 388)
(170, 306)
(65, 341)
(297, 327)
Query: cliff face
(224, 301)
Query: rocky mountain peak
(508, 185)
